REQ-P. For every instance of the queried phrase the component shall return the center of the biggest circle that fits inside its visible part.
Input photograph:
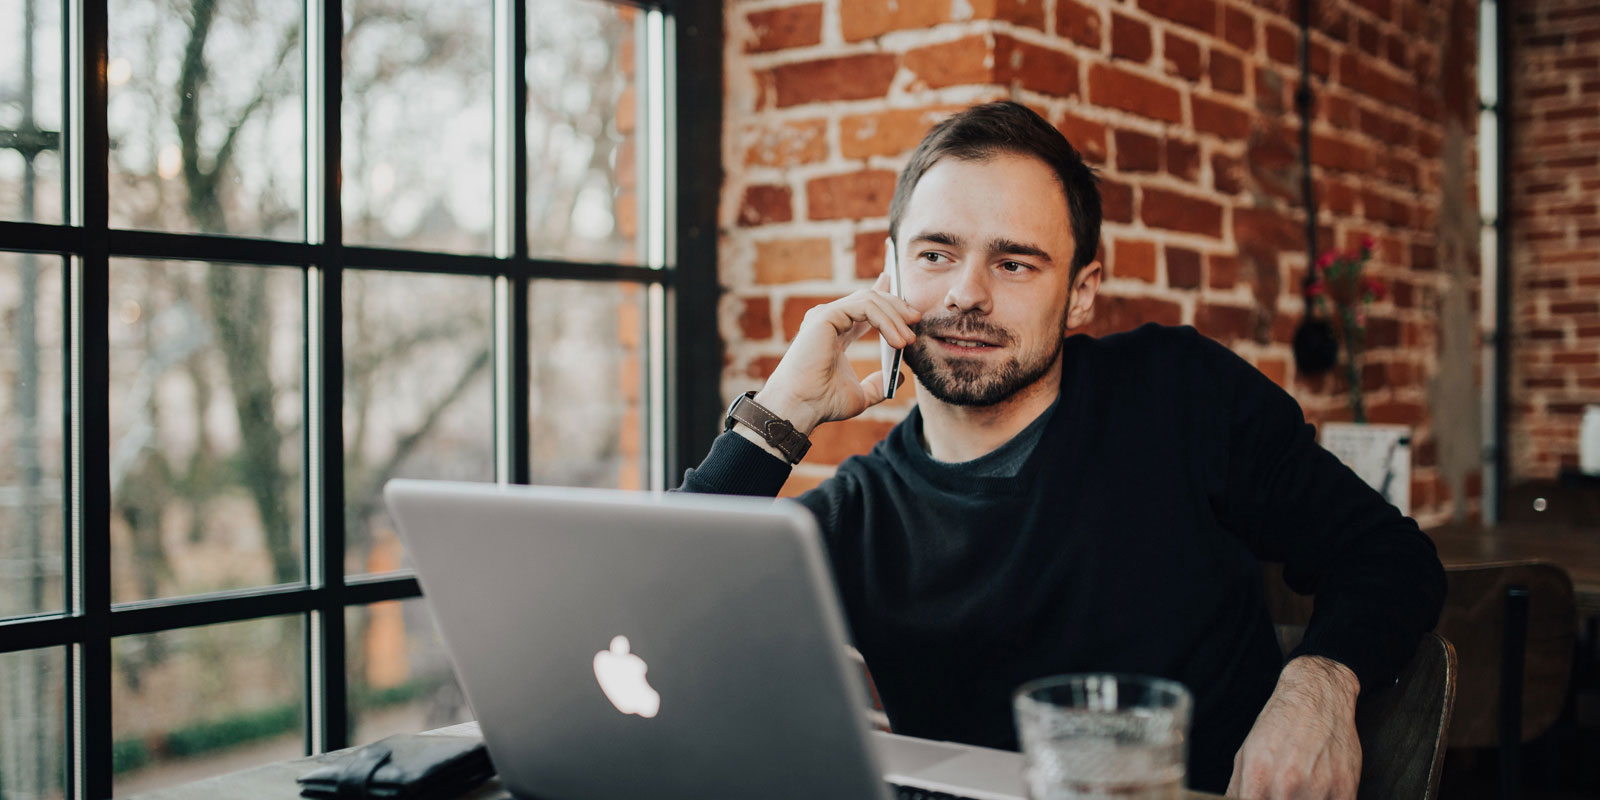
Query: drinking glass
(1087, 737)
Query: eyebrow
(1016, 248)
(996, 245)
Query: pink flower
(1326, 259)
(1374, 287)
(1367, 244)
(1317, 289)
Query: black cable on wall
(1315, 348)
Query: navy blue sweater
(1131, 541)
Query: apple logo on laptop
(621, 677)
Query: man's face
(986, 254)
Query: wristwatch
(779, 433)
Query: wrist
(782, 404)
(766, 429)
(755, 439)
(1322, 676)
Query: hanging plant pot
(1316, 348)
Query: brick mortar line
(1079, 106)
(748, 6)
(896, 101)
(896, 43)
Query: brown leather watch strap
(778, 432)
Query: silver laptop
(626, 645)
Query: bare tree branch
(202, 205)
(224, 154)
(368, 496)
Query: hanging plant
(1341, 292)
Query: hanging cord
(1303, 100)
(1316, 349)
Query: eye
(1014, 267)
(932, 257)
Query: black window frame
(86, 242)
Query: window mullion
(693, 395)
(510, 244)
(89, 423)
(328, 700)
(520, 349)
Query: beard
(962, 381)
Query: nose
(969, 290)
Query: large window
(271, 256)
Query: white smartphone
(889, 357)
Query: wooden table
(1575, 549)
(276, 781)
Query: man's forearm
(1321, 680)
(1304, 742)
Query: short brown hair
(984, 131)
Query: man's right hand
(814, 382)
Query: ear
(1080, 302)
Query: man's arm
(1304, 742)
(1378, 584)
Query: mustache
(962, 326)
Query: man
(1060, 503)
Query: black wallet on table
(403, 767)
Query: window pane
(206, 372)
(199, 702)
(585, 128)
(31, 445)
(1488, 166)
(400, 679)
(30, 110)
(417, 126)
(417, 400)
(212, 144)
(588, 378)
(32, 737)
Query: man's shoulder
(1152, 344)
(1165, 361)
(1153, 335)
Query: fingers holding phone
(889, 355)
(815, 383)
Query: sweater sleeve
(1377, 581)
(736, 466)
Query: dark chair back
(1403, 727)
(1478, 604)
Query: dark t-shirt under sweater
(1005, 461)
(1128, 541)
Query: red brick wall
(1186, 108)
(1556, 231)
